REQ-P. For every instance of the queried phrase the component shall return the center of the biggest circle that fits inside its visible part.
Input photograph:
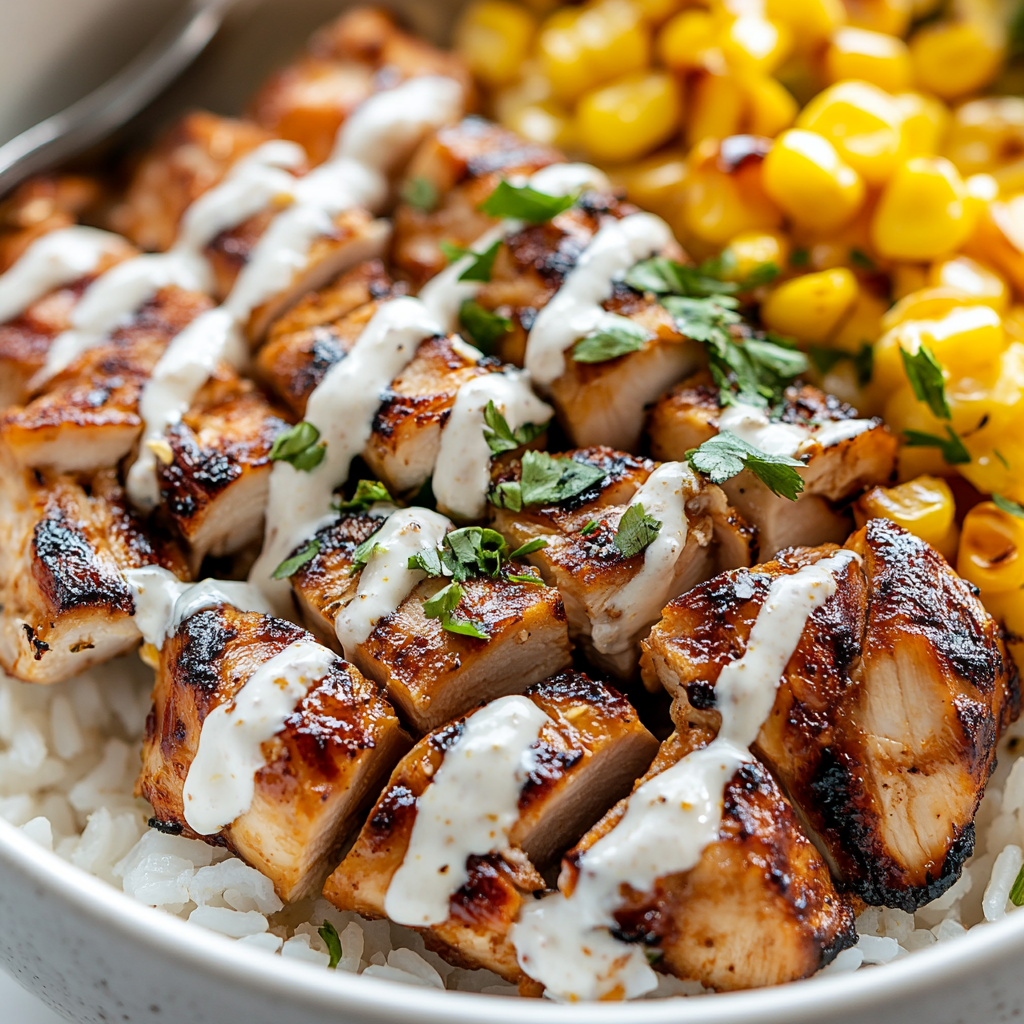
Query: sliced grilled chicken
(63, 546)
(586, 755)
(346, 62)
(839, 467)
(759, 907)
(429, 673)
(884, 728)
(314, 774)
(214, 483)
(591, 573)
(86, 417)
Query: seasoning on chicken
(844, 456)
(502, 792)
(63, 546)
(303, 766)
(885, 723)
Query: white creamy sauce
(641, 600)
(163, 602)
(670, 820)
(56, 259)
(577, 308)
(468, 808)
(221, 780)
(462, 474)
(342, 408)
(386, 580)
(753, 425)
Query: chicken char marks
(885, 724)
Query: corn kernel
(986, 134)
(968, 275)
(907, 278)
(630, 117)
(656, 183)
(805, 175)
(1008, 608)
(752, 249)
(811, 21)
(952, 59)
(656, 11)
(924, 506)
(754, 43)
(546, 123)
(771, 107)
(928, 303)
(991, 552)
(863, 123)
(925, 123)
(688, 40)
(863, 325)
(999, 238)
(889, 16)
(717, 106)
(882, 60)
(810, 307)
(494, 36)
(922, 213)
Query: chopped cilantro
(636, 531)
(724, 455)
(484, 327)
(861, 260)
(480, 268)
(471, 551)
(610, 342)
(501, 437)
(799, 257)
(589, 528)
(363, 553)
(546, 480)
(290, 566)
(537, 544)
(826, 359)
(333, 942)
(298, 445)
(925, 376)
(368, 492)
(442, 606)
(521, 202)
(952, 447)
(421, 193)
(526, 578)
(1008, 506)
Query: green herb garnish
(363, 553)
(333, 941)
(617, 339)
(725, 455)
(480, 268)
(826, 359)
(925, 376)
(1017, 889)
(501, 437)
(421, 193)
(484, 327)
(952, 447)
(667, 277)
(368, 492)
(799, 257)
(546, 480)
(290, 566)
(471, 551)
(1008, 506)
(527, 578)
(589, 528)
(442, 606)
(537, 544)
(298, 445)
(636, 531)
(520, 202)
(861, 260)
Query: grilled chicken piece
(346, 62)
(590, 572)
(406, 436)
(63, 546)
(429, 673)
(835, 473)
(87, 416)
(587, 756)
(759, 907)
(885, 724)
(320, 770)
(214, 487)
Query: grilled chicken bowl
(486, 526)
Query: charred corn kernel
(1007, 607)
(862, 326)
(716, 108)
(811, 21)
(986, 134)
(630, 117)
(805, 175)
(756, 43)
(725, 195)
(924, 506)
(952, 59)
(810, 307)
(863, 123)
(922, 213)
(974, 278)
(771, 107)
(874, 57)
(752, 249)
(907, 278)
(889, 16)
(991, 552)
(493, 37)
(925, 123)
(689, 40)
(657, 183)
(982, 190)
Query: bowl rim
(375, 999)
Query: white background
(18, 1007)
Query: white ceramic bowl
(97, 956)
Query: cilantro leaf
(501, 437)
(725, 455)
(704, 319)
(799, 257)
(1017, 889)
(421, 193)
(290, 566)
(363, 553)
(484, 327)
(481, 267)
(526, 578)
(826, 359)
(589, 528)
(442, 606)
(925, 376)
(952, 447)
(667, 277)
(610, 342)
(537, 544)
(427, 561)
(298, 445)
(636, 531)
(549, 479)
(471, 551)
(333, 941)
(1008, 506)
(368, 492)
(520, 202)
(861, 260)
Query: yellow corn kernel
(717, 106)
(1013, 323)
(863, 123)
(863, 325)
(493, 37)
(805, 175)
(968, 275)
(991, 552)
(546, 123)
(923, 213)
(928, 303)
(656, 183)
(999, 238)
(925, 123)
(889, 16)
(1008, 608)
(810, 307)
(924, 506)
(689, 40)
(630, 117)
(952, 59)
(755, 43)
(986, 134)
(908, 278)
(874, 57)
(725, 195)
(811, 21)
(752, 249)
(656, 11)
(771, 107)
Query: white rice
(69, 755)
